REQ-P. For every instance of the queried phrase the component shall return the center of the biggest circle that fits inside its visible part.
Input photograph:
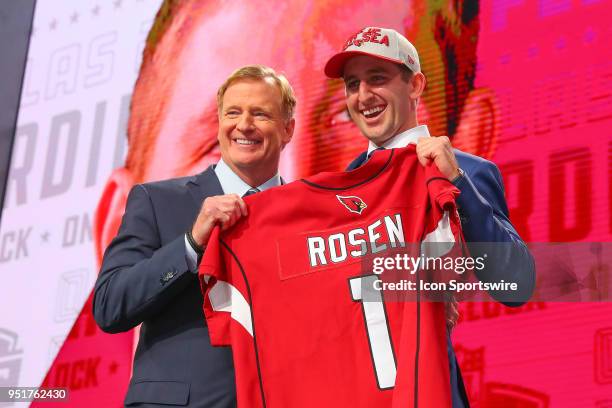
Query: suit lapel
(204, 185)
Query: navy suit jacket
(484, 219)
(145, 279)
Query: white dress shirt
(232, 184)
(403, 139)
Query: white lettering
(316, 247)
(375, 236)
(395, 230)
(361, 243)
(335, 257)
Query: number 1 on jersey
(377, 327)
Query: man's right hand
(225, 210)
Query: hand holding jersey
(224, 210)
(439, 150)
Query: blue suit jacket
(484, 219)
(145, 279)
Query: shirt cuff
(459, 178)
(191, 256)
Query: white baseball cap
(383, 43)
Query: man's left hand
(439, 150)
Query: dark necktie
(251, 191)
(374, 151)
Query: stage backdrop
(526, 84)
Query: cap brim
(335, 66)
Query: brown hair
(261, 73)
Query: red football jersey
(283, 288)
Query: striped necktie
(251, 191)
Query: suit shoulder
(166, 186)
(468, 161)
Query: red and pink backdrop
(526, 84)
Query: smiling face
(253, 129)
(378, 97)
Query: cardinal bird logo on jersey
(352, 203)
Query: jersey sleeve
(442, 237)
(442, 224)
(225, 295)
(227, 308)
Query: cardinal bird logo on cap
(353, 203)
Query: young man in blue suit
(149, 271)
(383, 83)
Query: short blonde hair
(261, 73)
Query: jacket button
(166, 277)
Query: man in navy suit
(383, 83)
(149, 271)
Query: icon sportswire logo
(353, 203)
